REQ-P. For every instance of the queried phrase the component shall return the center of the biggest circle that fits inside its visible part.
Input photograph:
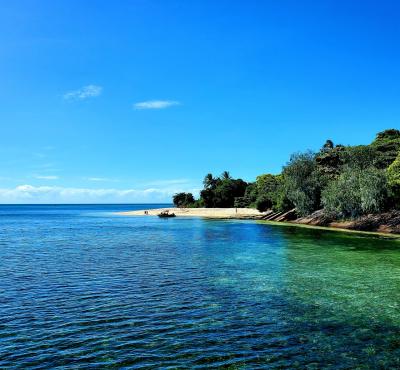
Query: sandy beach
(235, 213)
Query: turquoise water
(81, 287)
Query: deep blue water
(83, 287)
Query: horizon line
(75, 204)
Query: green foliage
(389, 134)
(329, 159)
(199, 203)
(263, 203)
(393, 173)
(271, 193)
(282, 202)
(347, 180)
(374, 190)
(356, 192)
(183, 200)
(240, 202)
(222, 191)
(303, 182)
(267, 186)
(360, 156)
(251, 193)
(209, 182)
(267, 183)
(387, 145)
(249, 198)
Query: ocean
(83, 287)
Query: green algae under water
(81, 287)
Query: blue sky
(130, 101)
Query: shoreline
(387, 235)
(252, 214)
(213, 213)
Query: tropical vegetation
(344, 181)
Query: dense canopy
(345, 181)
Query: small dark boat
(166, 214)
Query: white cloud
(58, 194)
(155, 104)
(46, 177)
(85, 92)
(100, 179)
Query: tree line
(345, 181)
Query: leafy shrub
(303, 182)
(356, 192)
(240, 202)
(183, 200)
(387, 145)
(263, 203)
(329, 159)
(393, 173)
(360, 156)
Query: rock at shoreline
(388, 222)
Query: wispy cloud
(89, 91)
(45, 167)
(56, 194)
(100, 179)
(155, 104)
(168, 182)
(39, 155)
(46, 177)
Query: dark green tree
(225, 175)
(387, 145)
(329, 159)
(221, 192)
(359, 157)
(271, 193)
(249, 198)
(209, 181)
(183, 200)
(303, 182)
(226, 192)
(393, 173)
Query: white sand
(201, 212)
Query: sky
(132, 101)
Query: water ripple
(83, 288)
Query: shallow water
(81, 287)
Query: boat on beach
(166, 214)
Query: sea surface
(82, 287)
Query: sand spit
(223, 213)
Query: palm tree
(225, 175)
(208, 181)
